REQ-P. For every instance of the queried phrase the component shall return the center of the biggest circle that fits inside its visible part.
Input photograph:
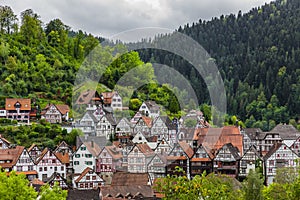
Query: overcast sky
(109, 17)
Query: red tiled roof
(64, 158)
(177, 158)
(215, 138)
(37, 182)
(113, 151)
(200, 159)
(28, 172)
(107, 97)
(93, 148)
(87, 96)
(10, 154)
(145, 149)
(63, 109)
(10, 104)
(147, 120)
(186, 148)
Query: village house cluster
(145, 147)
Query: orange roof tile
(28, 172)
(200, 159)
(37, 182)
(147, 120)
(10, 154)
(10, 103)
(186, 148)
(145, 149)
(215, 138)
(64, 158)
(113, 151)
(93, 148)
(83, 174)
(63, 109)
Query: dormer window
(17, 105)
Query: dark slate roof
(101, 141)
(83, 194)
(252, 132)
(253, 149)
(233, 150)
(111, 119)
(91, 114)
(129, 179)
(188, 133)
(168, 122)
(286, 131)
(152, 105)
(132, 191)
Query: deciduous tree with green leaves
(15, 187)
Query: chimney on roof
(92, 144)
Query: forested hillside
(40, 60)
(258, 55)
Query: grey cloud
(107, 17)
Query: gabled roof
(152, 105)
(186, 148)
(273, 149)
(63, 157)
(163, 158)
(167, 121)
(108, 96)
(40, 157)
(32, 146)
(54, 175)
(92, 147)
(110, 118)
(62, 144)
(87, 170)
(88, 96)
(147, 121)
(63, 109)
(83, 194)
(4, 140)
(12, 155)
(113, 151)
(209, 153)
(215, 138)
(145, 149)
(10, 103)
(91, 114)
(286, 131)
(233, 150)
(254, 150)
(99, 140)
(129, 179)
(43, 153)
(127, 192)
(253, 133)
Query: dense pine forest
(258, 57)
(257, 54)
